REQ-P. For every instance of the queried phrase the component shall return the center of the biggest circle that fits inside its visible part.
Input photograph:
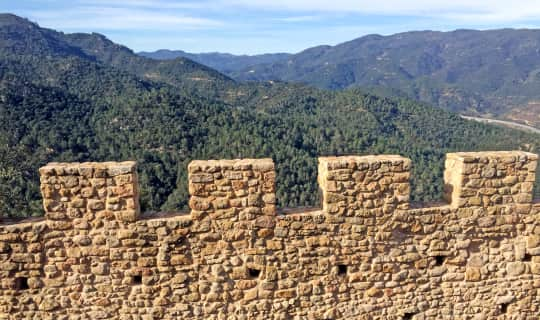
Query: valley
(477, 73)
(81, 97)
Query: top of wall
(492, 155)
(88, 169)
(245, 188)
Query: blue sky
(261, 26)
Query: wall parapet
(366, 254)
(352, 185)
(489, 178)
(225, 187)
(80, 190)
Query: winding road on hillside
(510, 124)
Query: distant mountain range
(224, 62)
(494, 73)
(81, 97)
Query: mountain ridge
(469, 71)
(223, 62)
(81, 97)
(491, 73)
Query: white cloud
(153, 4)
(192, 14)
(298, 19)
(461, 10)
(113, 18)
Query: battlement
(351, 185)
(84, 190)
(365, 254)
(489, 178)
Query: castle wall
(367, 254)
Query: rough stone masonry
(365, 255)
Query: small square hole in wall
(137, 279)
(254, 273)
(527, 258)
(504, 308)
(407, 316)
(439, 260)
(180, 242)
(21, 283)
(342, 269)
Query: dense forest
(492, 73)
(83, 98)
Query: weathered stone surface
(353, 183)
(365, 255)
(515, 268)
(483, 179)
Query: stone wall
(365, 255)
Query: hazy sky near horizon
(261, 26)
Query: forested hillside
(493, 73)
(81, 97)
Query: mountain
(224, 62)
(80, 97)
(494, 73)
